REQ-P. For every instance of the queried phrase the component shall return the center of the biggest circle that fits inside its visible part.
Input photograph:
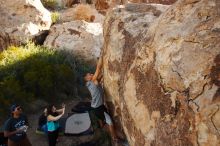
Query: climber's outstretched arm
(98, 70)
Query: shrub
(33, 72)
(49, 3)
(55, 16)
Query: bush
(49, 3)
(55, 17)
(32, 72)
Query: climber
(15, 127)
(97, 102)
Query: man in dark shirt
(15, 128)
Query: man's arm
(98, 70)
(8, 133)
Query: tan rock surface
(123, 29)
(167, 2)
(81, 12)
(105, 4)
(162, 74)
(20, 21)
(80, 38)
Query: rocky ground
(41, 140)
(99, 138)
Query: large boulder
(161, 75)
(79, 38)
(21, 20)
(123, 28)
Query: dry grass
(101, 5)
(84, 12)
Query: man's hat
(13, 107)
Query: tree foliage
(32, 72)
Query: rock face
(20, 20)
(66, 3)
(82, 39)
(82, 12)
(162, 75)
(167, 2)
(103, 5)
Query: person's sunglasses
(18, 108)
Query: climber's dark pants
(99, 113)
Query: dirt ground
(100, 137)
